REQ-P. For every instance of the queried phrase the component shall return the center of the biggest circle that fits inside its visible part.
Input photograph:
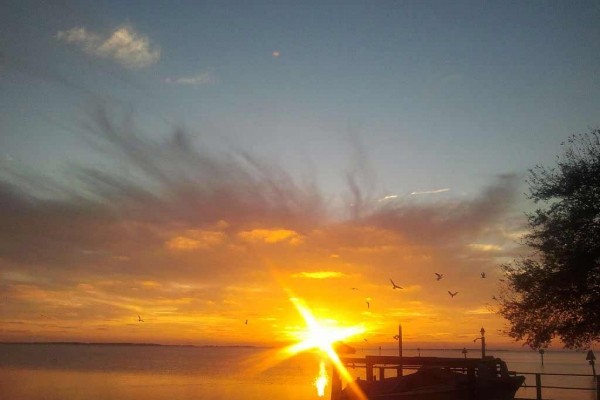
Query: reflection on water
(58, 372)
(89, 372)
(60, 385)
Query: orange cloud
(484, 247)
(215, 280)
(196, 240)
(150, 284)
(271, 236)
(319, 275)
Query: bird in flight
(354, 288)
(452, 294)
(368, 305)
(140, 319)
(483, 274)
(246, 322)
(439, 276)
(394, 286)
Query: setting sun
(323, 338)
(318, 336)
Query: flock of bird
(394, 286)
(438, 277)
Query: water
(92, 372)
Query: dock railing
(375, 369)
(563, 387)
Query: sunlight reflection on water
(151, 373)
(82, 372)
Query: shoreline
(374, 348)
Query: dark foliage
(555, 291)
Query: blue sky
(439, 93)
(219, 122)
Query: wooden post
(369, 369)
(597, 386)
(336, 384)
(482, 343)
(400, 369)
(400, 341)
(381, 373)
(592, 358)
(538, 386)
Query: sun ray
(323, 338)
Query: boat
(437, 379)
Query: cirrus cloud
(202, 78)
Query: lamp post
(482, 338)
(542, 351)
(464, 351)
(398, 337)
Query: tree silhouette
(555, 291)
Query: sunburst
(323, 338)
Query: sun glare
(323, 338)
(322, 380)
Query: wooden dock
(376, 367)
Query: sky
(200, 165)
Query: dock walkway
(375, 368)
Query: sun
(323, 338)
(318, 336)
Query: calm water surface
(90, 372)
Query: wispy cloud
(431, 191)
(388, 197)
(202, 78)
(124, 46)
(193, 215)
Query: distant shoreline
(474, 349)
(127, 344)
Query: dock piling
(538, 386)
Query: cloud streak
(202, 78)
(430, 191)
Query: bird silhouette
(354, 288)
(483, 274)
(368, 305)
(452, 294)
(439, 276)
(394, 286)
(140, 319)
(246, 322)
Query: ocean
(140, 372)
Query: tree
(555, 291)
